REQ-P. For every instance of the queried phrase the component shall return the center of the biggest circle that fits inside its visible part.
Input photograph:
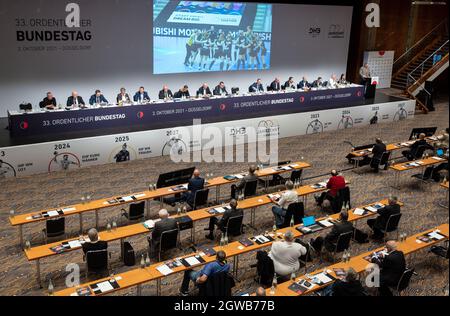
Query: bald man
(165, 224)
(415, 151)
(94, 244)
(392, 266)
(195, 183)
(75, 100)
(260, 291)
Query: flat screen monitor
(175, 177)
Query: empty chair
(440, 251)
(404, 281)
(200, 199)
(250, 188)
(97, 262)
(234, 226)
(135, 212)
(392, 225)
(296, 176)
(54, 228)
(169, 240)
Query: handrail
(421, 40)
(426, 60)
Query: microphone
(349, 143)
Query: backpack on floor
(129, 258)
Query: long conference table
(138, 276)
(20, 220)
(121, 233)
(359, 263)
(173, 113)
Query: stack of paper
(371, 209)
(164, 269)
(127, 198)
(192, 261)
(105, 286)
(326, 223)
(358, 211)
(74, 244)
(321, 278)
(262, 239)
(52, 213)
(436, 235)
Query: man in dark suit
(94, 244)
(289, 84)
(182, 93)
(348, 286)
(220, 89)
(75, 100)
(342, 227)
(195, 183)
(123, 96)
(204, 91)
(97, 98)
(141, 96)
(251, 176)
(275, 85)
(379, 224)
(317, 83)
(256, 87)
(221, 224)
(49, 102)
(391, 266)
(415, 150)
(165, 93)
(377, 153)
(165, 224)
(304, 84)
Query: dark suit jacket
(47, 102)
(384, 214)
(99, 245)
(228, 214)
(163, 225)
(302, 84)
(316, 84)
(378, 151)
(137, 96)
(250, 177)
(162, 95)
(119, 97)
(338, 229)
(93, 99)
(342, 288)
(179, 94)
(202, 90)
(288, 85)
(194, 185)
(256, 88)
(419, 143)
(218, 90)
(392, 267)
(70, 101)
(275, 86)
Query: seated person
(287, 198)
(221, 224)
(220, 89)
(329, 242)
(183, 93)
(346, 285)
(94, 243)
(332, 83)
(304, 84)
(256, 87)
(285, 255)
(141, 96)
(165, 93)
(260, 291)
(200, 277)
(290, 84)
(377, 153)
(123, 96)
(443, 139)
(275, 85)
(204, 91)
(75, 100)
(49, 102)
(416, 150)
(318, 83)
(334, 184)
(433, 172)
(391, 267)
(165, 224)
(379, 224)
(97, 98)
(342, 80)
(195, 183)
(251, 176)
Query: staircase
(423, 61)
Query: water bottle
(178, 211)
(184, 210)
(225, 239)
(344, 257)
(114, 225)
(293, 276)
(142, 262)
(274, 284)
(51, 288)
(291, 224)
(27, 245)
(222, 241)
(147, 261)
(108, 227)
(274, 227)
(11, 213)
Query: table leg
(122, 255)
(148, 208)
(38, 273)
(193, 233)
(96, 219)
(81, 223)
(139, 290)
(161, 202)
(21, 235)
(158, 287)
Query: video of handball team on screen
(201, 36)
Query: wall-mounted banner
(87, 152)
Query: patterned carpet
(325, 151)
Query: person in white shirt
(364, 73)
(287, 198)
(285, 255)
(332, 83)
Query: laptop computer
(310, 223)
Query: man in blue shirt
(200, 277)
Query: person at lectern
(257, 86)
(123, 96)
(165, 93)
(98, 98)
(275, 85)
(183, 93)
(304, 84)
(141, 96)
(75, 100)
(204, 91)
(220, 89)
(364, 73)
(49, 102)
(289, 84)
